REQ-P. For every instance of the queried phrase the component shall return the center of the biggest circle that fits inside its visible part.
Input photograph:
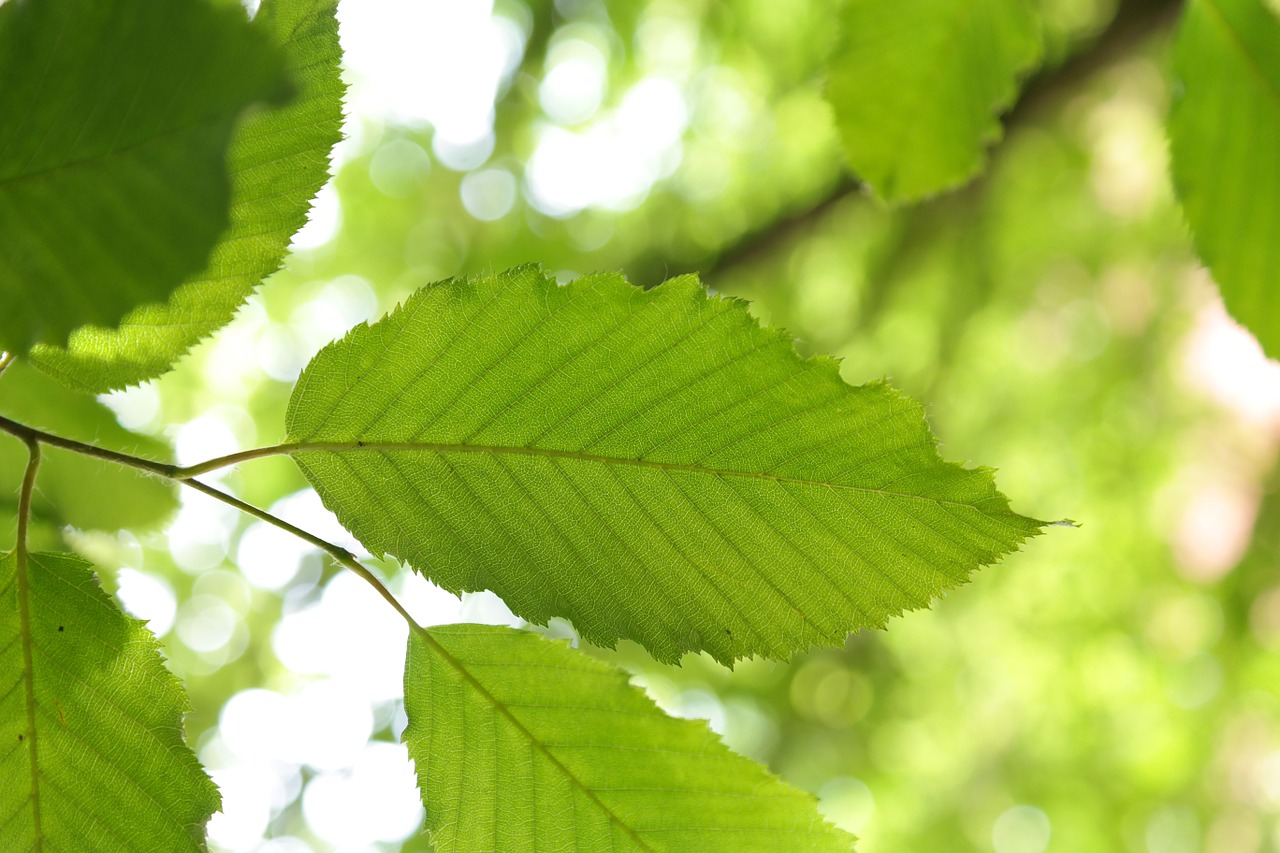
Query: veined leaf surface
(277, 161)
(653, 465)
(522, 743)
(1224, 146)
(92, 754)
(917, 84)
(113, 182)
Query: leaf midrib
(22, 581)
(95, 161)
(293, 448)
(537, 743)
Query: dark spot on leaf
(20, 737)
(60, 628)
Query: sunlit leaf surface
(1224, 142)
(917, 86)
(113, 184)
(522, 743)
(92, 754)
(277, 161)
(653, 465)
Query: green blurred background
(1115, 687)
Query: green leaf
(91, 748)
(277, 161)
(522, 743)
(1224, 144)
(916, 86)
(653, 465)
(113, 185)
(73, 489)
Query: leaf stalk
(33, 438)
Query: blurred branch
(1133, 23)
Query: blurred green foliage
(1117, 688)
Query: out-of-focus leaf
(522, 743)
(917, 85)
(93, 755)
(277, 161)
(74, 489)
(1224, 143)
(653, 465)
(113, 183)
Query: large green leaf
(277, 161)
(93, 756)
(1224, 142)
(522, 743)
(74, 489)
(113, 184)
(916, 86)
(650, 464)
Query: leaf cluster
(651, 464)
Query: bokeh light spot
(1021, 829)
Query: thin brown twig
(23, 583)
(35, 437)
(31, 434)
(337, 552)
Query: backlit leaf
(522, 743)
(653, 465)
(1224, 143)
(113, 183)
(92, 755)
(277, 161)
(917, 85)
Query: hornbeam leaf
(1224, 146)
(92, 755)
(916, 86)
(653, 465)
(522, 743)
(277, 161)
(113, 184)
